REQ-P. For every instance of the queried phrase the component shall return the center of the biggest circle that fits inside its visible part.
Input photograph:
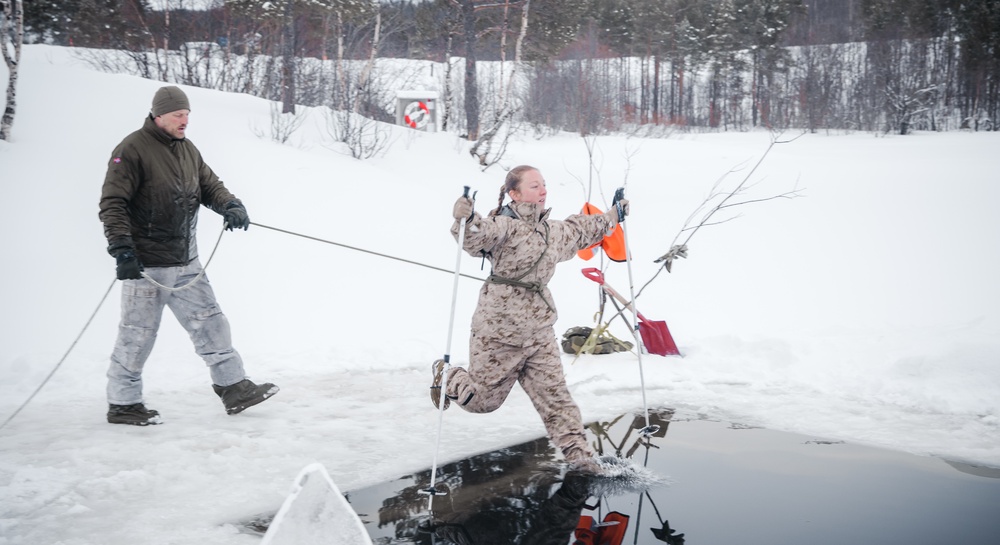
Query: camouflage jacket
(514, 241)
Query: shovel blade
(657, 339)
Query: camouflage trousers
(493, 369)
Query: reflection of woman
(512, 330)
(519, 520)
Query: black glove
(129, 267)
(236, 216)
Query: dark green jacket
(151, 196)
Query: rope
(200, 273)
(366, 251)
(54, 369)
(457, 272)
(151, 281)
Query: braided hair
(511, 183)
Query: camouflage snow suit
(513, 338)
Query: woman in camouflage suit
(513, 338)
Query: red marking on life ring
(421, 109)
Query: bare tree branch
(484, 144)
(702, 218)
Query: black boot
(136, 414)
(243, 394)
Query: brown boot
(438, 370)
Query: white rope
(200, 273)
(356, 249)
(147, 277)
(61, 360)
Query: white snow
(865, 311)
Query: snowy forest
(838, 380)
(584, 66)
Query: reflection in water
(525, 518)
(665, 533)
(519, 496)
(490, 491)
(660, 419)
(734, 481)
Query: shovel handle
(628, 304)
(594, 274)
(597, 276)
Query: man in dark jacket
(155, 184)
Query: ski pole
(431, 491)
(619, 195)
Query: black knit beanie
(169, 99)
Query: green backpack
(585, 340)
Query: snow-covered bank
(864, 311)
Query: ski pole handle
(465, 195)
(619, 195)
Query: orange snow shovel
(655, 335)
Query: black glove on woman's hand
(129, 267)
(236, 216)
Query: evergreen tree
(978, 25)
(554, 25)
(759, 28)
(49, 21)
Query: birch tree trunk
(11, 27)
(518, 46)
(341, 100)
(508, 90)
(503, 58)
(447, 84)
(288, 61)
(471, 87)
(369, 66)
(482, 149)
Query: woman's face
(531, 189)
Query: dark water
(728, 484)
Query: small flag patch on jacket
(117, 160)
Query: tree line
(588, 66)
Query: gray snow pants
(494, 367)
(196, 310)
